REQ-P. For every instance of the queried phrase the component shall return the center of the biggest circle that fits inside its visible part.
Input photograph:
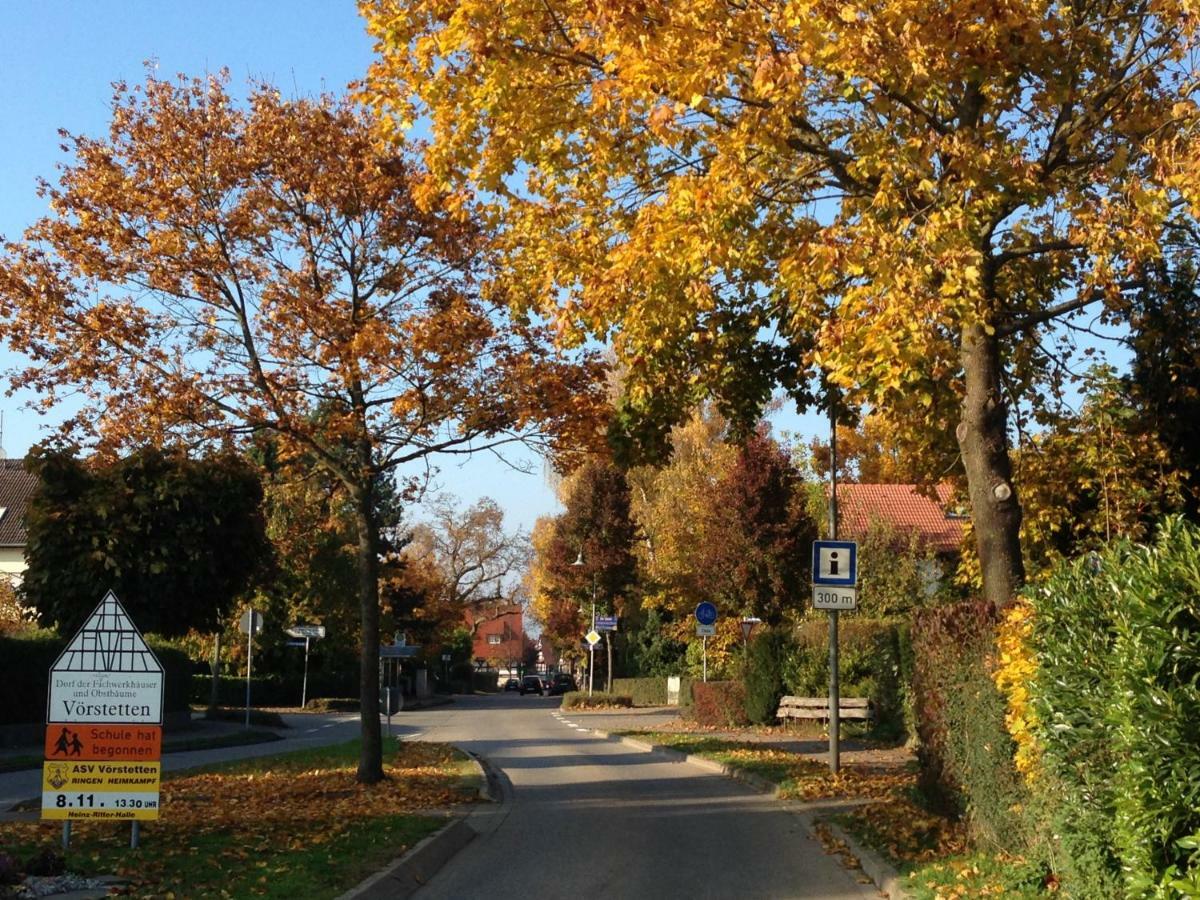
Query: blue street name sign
(706, 613)
(835, 563)
(606, 623)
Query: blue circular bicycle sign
(706, 613)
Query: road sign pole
(704, 656)
(66, 835)
(835, 719)
(135, 834)
(304, 685)
(249, 659)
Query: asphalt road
(585, 817)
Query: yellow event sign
(104, 723)
(100, 790)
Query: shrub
(766, 657)
(948, 642)
(333, 704)
(1156, 702)
(644, 691)
(719, 703)
(598, 700)
(10, 872)
(869, 656)
(265, 690)
(25, 662)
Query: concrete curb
(402, 877)
(405, 874)
(874, 866)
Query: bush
(25, 663)
(333, 704)
(949, 646)
(644, 691)
(265, 690)
(766, 657)
(870, 658)
(1114, 703)
(598, 700)
(719, 703)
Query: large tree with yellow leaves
(212, 270)
(902, 195)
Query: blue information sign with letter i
(835, 563)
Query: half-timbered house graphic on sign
(104, 723)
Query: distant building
(16, 487)
(500, 641)
(937, 521)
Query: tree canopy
(905, 197)
(178, 540)
(214, 269)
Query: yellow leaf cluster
(1015, 670)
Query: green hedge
(273, 690)
(766, 658)
(871, 657)
(1116, 698)
(598, 699)
(643, 691)
(25, 676)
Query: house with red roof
(16, 487)
(938, 520)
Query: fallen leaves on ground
(251, 821)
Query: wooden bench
(818, 708)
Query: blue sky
(56, 70)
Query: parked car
(560, 684)
(531, 684)
(512, 685)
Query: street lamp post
(591, 646)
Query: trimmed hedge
(598, 700)
(1115, 699)
(766, 660)
(25, 676)
(719, 703)
(644, 691)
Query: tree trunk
(983, 440)
(370, 760)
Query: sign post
(706, 627)
(834, 575)
(251, 624)
(308, 632)
(103, 746)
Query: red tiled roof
(16, 486)
(902, 506)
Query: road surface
(586, 817)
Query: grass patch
(977, 875)
(798, 777)
(291, 825)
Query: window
(493, 638)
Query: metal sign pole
(66, 833)
(304, 686)
(835, 719)
(249, 659)
(135, 834)
(704, 655)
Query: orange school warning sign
(104, 723)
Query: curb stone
(404, 875)
(879, 870)
(874, 866)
